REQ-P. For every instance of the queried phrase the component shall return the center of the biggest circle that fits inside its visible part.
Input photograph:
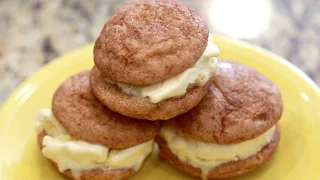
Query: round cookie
(141, 108)
(93, 174)
(240, 105)
(84, 117)
(223, 171)
(149, 41)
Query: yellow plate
(298, 155)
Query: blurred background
(34, 32)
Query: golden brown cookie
(241, 104)
(223, 171)
(149, 41)
(93, 174)
(84, 117)
(141, 108)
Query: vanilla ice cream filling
(197, 75)
(76, 155)
(207, 156)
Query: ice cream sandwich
(86, 140)
(231, 131)
(153, 60)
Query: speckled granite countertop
(33, 32)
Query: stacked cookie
(155, 62)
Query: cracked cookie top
(149, 41)
(241, 104)
(86, 118)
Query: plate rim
(277, 58)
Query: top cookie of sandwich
(149, 41)
(84, 117)
(241, 104)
